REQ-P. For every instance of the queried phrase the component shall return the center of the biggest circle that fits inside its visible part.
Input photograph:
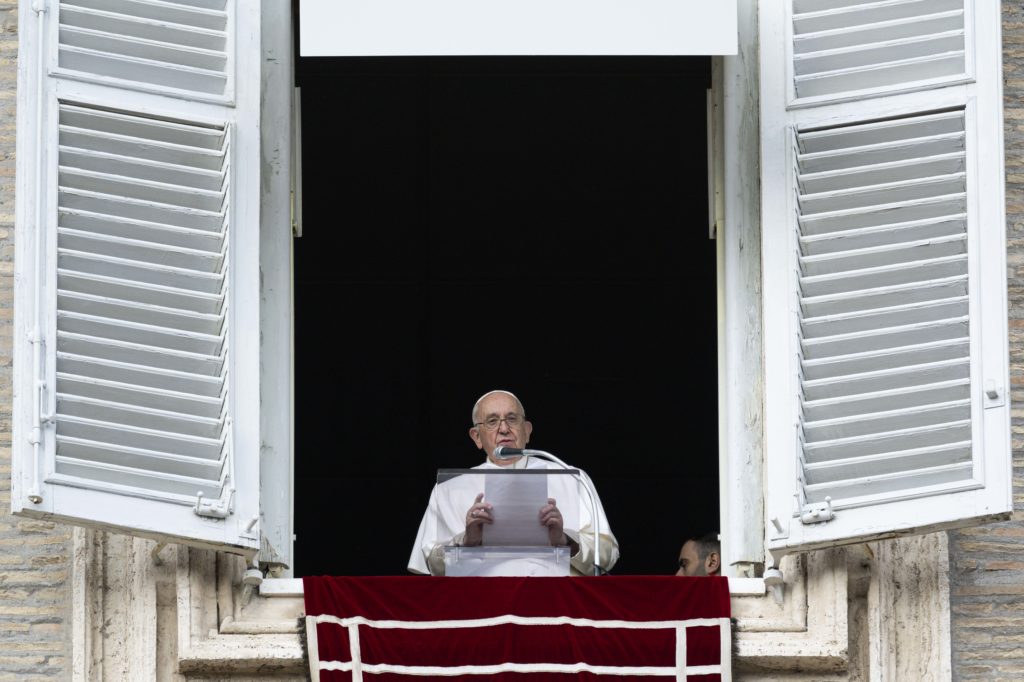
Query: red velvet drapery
(402, 629)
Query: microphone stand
(499, 453)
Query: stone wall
(34, 555)
(987, 563)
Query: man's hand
(551, 517)
(476, 517)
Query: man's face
(500, 405)
(689, 560)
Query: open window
(138, 295)
(533, 224)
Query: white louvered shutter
(887, 408)
(137, 300)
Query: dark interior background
(532, 224)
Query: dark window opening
(532, 224)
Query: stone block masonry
(987, 563)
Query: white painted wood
(279, 165)
(740, 388)
(883, 247)
(141, 269)
(523, 27)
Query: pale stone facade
(86, 605)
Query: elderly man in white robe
(456, 515)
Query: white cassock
(444, 521)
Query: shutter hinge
(819, 512)
(215, 509)
(995, 396)
(39, 6)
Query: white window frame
(740, 360)
(743, 374)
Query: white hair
(476, 405)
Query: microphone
(502, 452)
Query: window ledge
(292, 587)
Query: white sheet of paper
(517, 501)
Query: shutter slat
(884, 401)
(153, 316)
(143, 71)
(137, 250)
(881, 75)
(119, 186)
(203, 154)
(139, 27)
(890, 378)
(836, 59)
(831, 17)
(868, 362)
(852, 219)
(140, 459)
(142, 169)
(176, 446)
(138, 354)
(884, 193)
(141, 376)
(140, 292)
(142, 272)
(856, 490)
(134, 209)
(157, 50)
(888, 337)
(133, 332)
(887, 463)
(158, 420)
(183, 13)
(141, 230)
(106, 127)
(855, 173)
(899, 133)
(165, 486)
(877, 443)
(881, 235)
(162, 449)
(884, 297)
(889, 254)
(880, 154)
(875, 423)
(933, 23)
(884, 276)
(879, 320)
(116, 392)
